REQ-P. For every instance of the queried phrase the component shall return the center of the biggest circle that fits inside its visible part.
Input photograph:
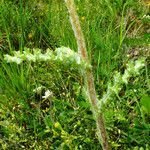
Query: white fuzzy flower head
(48, 94)
(43, 57)
(10, 59)
(65, 51)
(125, 76)
(17, 60)
(117, 77)
(146, 16)
(130, 67)
(31, 57)
(139, 64)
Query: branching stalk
(98, 115)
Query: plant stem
(89, 79)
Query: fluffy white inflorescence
(146, 16)
(11, 59)
(48, 94)
(138, 65)
(133, 69)
(63, 54)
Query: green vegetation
(43, 104)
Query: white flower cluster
(15, 59)
(146, 16)
(133, 69)
(60, 54)
(26, 55)
(66, 53)
(47, 95)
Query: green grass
(111, 30)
